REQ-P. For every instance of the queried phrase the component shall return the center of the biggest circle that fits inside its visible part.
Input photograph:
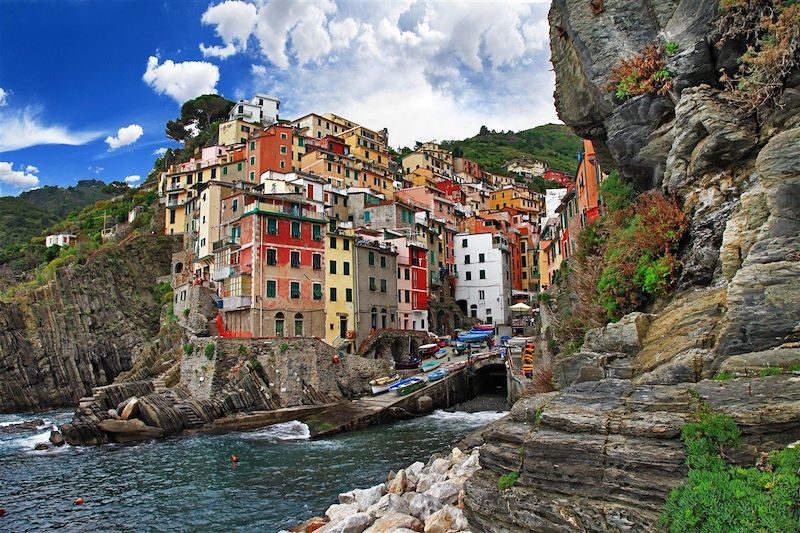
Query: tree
(202, 112)
(483, 131)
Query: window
(372, 286)
(283, 136)
(239, 166)
(468, 276)
(346, 268)
(345, 244)
(481, 258)
(252, 145)
(282, 164)
(272, 226)
(279, 325)
(408, 296)
(316, 232)
(366, 216)
(374, 316)
(463, 243)
(252, 161)
(235, 205)
(481, 295)
(383, 285)
(407, 273)
(296, 233)
(272, 288)
(466, 259)
(224, 171)
(371, 258)
(294, 289)
(283, 149)
(383, 261)
(272, 256)
(317, 289)
(482, 274)
(298, 325)
(333, 266)
(333, 294)
(333, 242)
(348, 295)
(295, 259)
(316, 261)
(252, 175)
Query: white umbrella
(520, 308)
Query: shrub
(188, 348)
(209, 351)
(670, 48)
(162, 292)
(644, 73)
(543, 380)
(508, 480)
(719, 496)
(770, 371)
(724, 376)
(242, 350)
(283, 347)
(186, 313)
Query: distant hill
(553, 143)
(30, 213)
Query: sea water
(190, 483)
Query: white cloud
(234, 21)
(132, 179)
(18, 179)
(3, 97)
(23, 129)
(96, 170)
(258, 70)
(125, 136)
(160, 151)
(220, 52)
(32, 169)
(181, 81)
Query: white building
(60, 239)
(552, 199)
(260, 109)
(526, 167)
(484, 276)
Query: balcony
(285, 210)
(224, 243)
(224, 272)
(232, 303)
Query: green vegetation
(242, 350)
(770, 371)
(553, 143)
(188, 348)
(283, 347)
(724, 376)
(794, 368)
(208, 351)
(186, 313)
(644, 73)
(256, 364)
(317, 425)
(721, 497)
(670, 48)
(508, 480)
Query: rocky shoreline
(423, 497)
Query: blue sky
(86, 86)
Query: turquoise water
(189, 484)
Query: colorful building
(340, 312)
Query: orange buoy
(79, 501)
(234, 459)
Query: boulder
(424, 404)
(412, 475)
(426, 481)
(468, 467)
(422, 505)
(624, 336)
(446, 491)
(41, 446)
(131, 409)
(448, 518)
(398, 484)
(392, 521)
(354, 523)
(440, 466)
(56, 438)
(309, 526)
(113, 414)
(456, 455)
(338, 511)
(368, 497)
(130, 430)
(389, 503)
(22, 427)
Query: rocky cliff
(82, 328)
(602, 453)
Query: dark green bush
(507, 481)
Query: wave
(293, 430)
(479, 418)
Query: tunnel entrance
(491, 380)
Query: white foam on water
(293, 430)
(29, 443)
(480, 418)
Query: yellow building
(235, 132)
(340, 280)
(343, 171)
(421, 177)
(430, 156)
(517, 197)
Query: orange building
(269, 149)
(588, 179)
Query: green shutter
(271, 288)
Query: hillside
(27, 215)
(553, 143)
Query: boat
(440, 354)
(427, 350)
(381, 385)
(407, 364)
(427, 366)
(460, 347)
(409, 385)
(436, 375)
(483, 327)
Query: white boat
(381, 385)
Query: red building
(269, 149)
(274, 285)
(452, 191)
(419, 277)
(559, 177)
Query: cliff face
(603, 452)
(82, 328)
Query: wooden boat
(409, 385)
(427, 350)
(436, 375)
(381, 385)
(440, 354)
(407, 364)
(427, 366)
(483, 327)
(456, 366)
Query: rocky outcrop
(82, 328)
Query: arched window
(383, 318)
(178, 267)
(280, 328)
(473, 311)
(298, 325)
(374, 312)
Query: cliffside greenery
(770, 30)
(722, 497)
(644, 73)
